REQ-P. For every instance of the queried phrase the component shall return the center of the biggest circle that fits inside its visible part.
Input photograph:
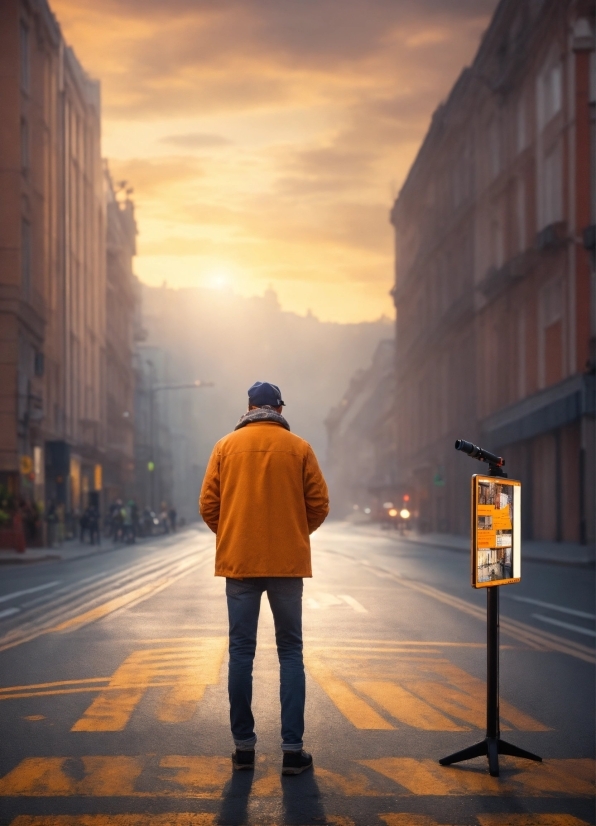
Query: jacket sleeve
(316, 495)
(209, 499)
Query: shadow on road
(302, 799)
(236, 793)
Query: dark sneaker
(296, 762)
(243, 759)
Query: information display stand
(492, 745)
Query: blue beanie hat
(262, 393)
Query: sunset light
(275, 137)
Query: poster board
(496, 531)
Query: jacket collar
(262, 414)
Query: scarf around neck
(262, 414)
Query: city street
(114, 704)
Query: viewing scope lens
(479, 453)
(467, 447)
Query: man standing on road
(263, 495)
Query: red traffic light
(406, 497)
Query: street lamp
(153, 389)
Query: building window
(24, 42)
(522, 127)
(497, 243)
(550, 93)
(552, 200)
(551, 338)
(521, 354)
(24, 146)
(26, 258)
(520, 210)
(495, 148)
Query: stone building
(52, 283)
(121, 298)
(58, 434)
(153, 433)
(493, 283)
(360, 437)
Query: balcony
(497, 279)
(552, 236)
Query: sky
(266, 140)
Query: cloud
(269, 135)
(153, 176)
(196, 140)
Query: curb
(102, 549)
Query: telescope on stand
(496, 561)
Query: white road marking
(16, 594)
(578, 629)
(572, 611)
(8, 612)
(312, 603)
(353, 603)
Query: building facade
(494, 283)
(361, 440)
(55, 431)
(121, 298)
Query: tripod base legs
(491, 747)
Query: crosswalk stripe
(186, 675)
(353, 707)
(427, 777)
(204, 819)
(196, 777)
(170, 819)
(406, 707)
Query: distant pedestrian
(129, 523)
(263, 494)
(173, 514)
(84, 523)
(52, 523)
(163, 518)
(93, 523)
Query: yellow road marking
(459, 678)
(353, 707)
(404, 819)
(181, 568)
(112, 605)
(533, 637)
(455, 702)
(180, 776)
(366, 643)
(501, 819)
(202, 819)
(407, 708)
(35, 686)
(170, 819)
(83, 690)
(423, 692)
(187, 670)
(426, 777)
(54, 777)
(529, 820)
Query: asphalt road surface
(114, 707)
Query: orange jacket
(263, 494)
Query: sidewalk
(74, 549)
(555, 553)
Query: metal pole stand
(492, 745)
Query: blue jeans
(244, 603)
